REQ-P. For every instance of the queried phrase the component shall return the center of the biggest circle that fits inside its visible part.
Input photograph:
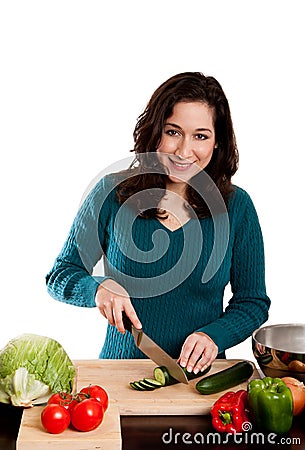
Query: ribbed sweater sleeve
(249, 305)
(70, 279)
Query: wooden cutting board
(32, 436)
(178, 399)
(115, 376)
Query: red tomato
(87, 414)
(55, 418)
(97, 392)
(64, 399)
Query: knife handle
(126, 322)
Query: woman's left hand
(198, 352)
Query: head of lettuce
(32, 367)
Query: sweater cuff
(217, 333)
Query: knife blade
(153, 351)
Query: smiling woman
(160, 224)
(206, 114)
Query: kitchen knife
(154, 352)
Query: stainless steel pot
(280, 350)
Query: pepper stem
(225, 417)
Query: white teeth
(182, 165)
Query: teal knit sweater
(162, 270)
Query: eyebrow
(177, 126)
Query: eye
(201, 137)
(172, 132)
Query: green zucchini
(162, 378)
(162, 375)
(225, 379)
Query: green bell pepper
(271, 405)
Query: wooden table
(145, 432)
(144, 427)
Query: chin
(178, 180)
(183, 177)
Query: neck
(177, 188)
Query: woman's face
(188, 141)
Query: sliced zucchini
(161, 374)
(136, 385)
(146, 386)
(165, 379)
(133, 386)
(162, 378)
(152, 382)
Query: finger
(107, 312)
(131, 313)
(103, 301)
(186, 350)
(202, 355)
(101, 310)
(118, 319)
(204, 361)
(207, 358)
(194, 357)
(198, 351)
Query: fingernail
(203, 368)
(182, 363)
(189, 368)
(196, 371)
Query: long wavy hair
(183, 87)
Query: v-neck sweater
(163, 271)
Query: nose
(184, 148)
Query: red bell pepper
(230, 412)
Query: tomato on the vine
(97, 392)
(64, 399)
(85, 409)
(87, 414)
(55, 418)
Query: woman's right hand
(112, 299)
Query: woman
(173, 231)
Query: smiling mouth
(180, 165)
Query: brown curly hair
(183, 87)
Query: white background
(75, 75)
